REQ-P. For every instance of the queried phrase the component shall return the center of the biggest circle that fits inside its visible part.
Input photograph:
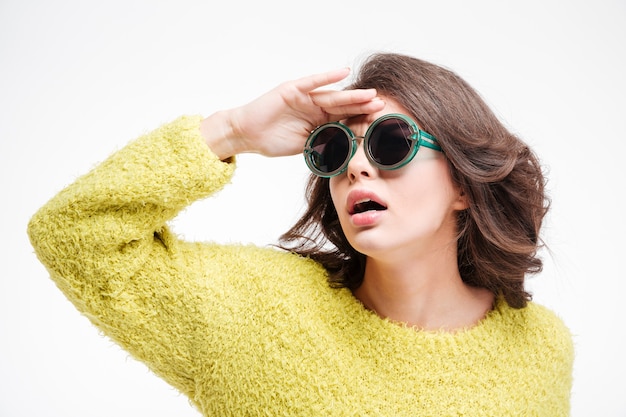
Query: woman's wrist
(219, 135)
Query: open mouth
(366, 205)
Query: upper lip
(360, 196)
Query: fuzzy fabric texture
(249, 331)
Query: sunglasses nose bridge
(359, 163)
(357, 141)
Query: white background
(78, 79)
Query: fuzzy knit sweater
(250, 331)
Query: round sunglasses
(390, 142)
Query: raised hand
(278, 122)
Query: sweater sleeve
(105, 243)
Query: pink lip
(365, 219)
(359, 195)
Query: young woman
(399, 292)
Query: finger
(311, 82)
(327, 98)
(355, 109)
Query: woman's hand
(278, 122)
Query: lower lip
(367, 218)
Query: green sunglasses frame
(418, 137)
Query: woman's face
(416, 205)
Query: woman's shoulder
(537, 316)
(535, 325)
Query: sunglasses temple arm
(428, 140)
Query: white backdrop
(80, 78)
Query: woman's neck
(424, 293)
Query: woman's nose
(359, 166)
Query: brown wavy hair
(498, 234)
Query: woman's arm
(105, 242)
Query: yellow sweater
(249, 331)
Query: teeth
(366, 204)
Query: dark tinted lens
(389, 141)
(331, 147)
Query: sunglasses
(390, 142)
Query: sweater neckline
(484, 325)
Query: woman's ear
(461, 202)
